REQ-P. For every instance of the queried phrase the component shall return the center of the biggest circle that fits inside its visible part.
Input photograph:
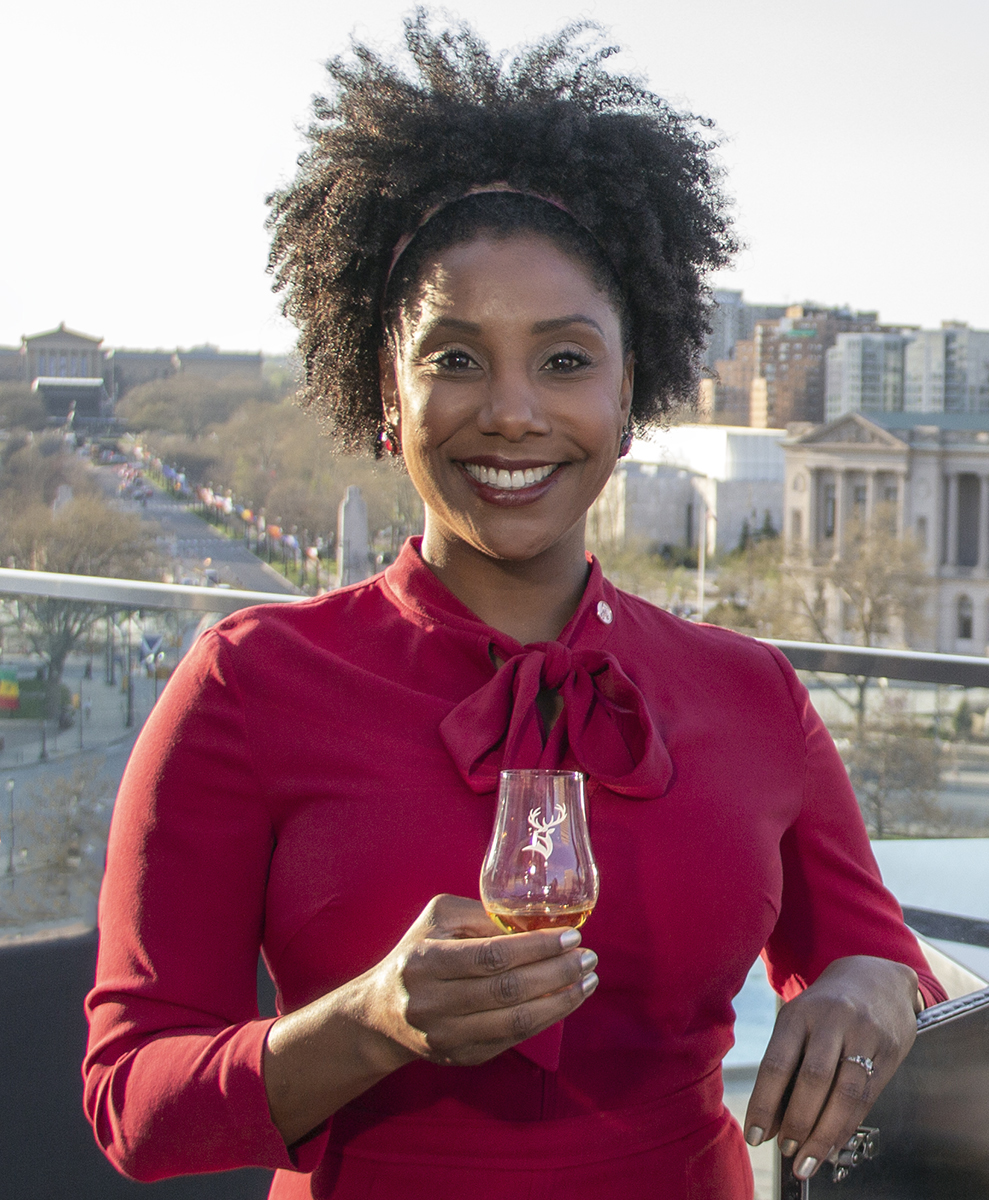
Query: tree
(757, 594)
(895, 772)
(190, 405)
(32, 469)
(964, 720)
(20, 408)
(274, 458)
(82, 537)
(877, 589)
(882, 581)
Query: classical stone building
(209, 362)
(65, 368)
(62, 354)
(934, 478)
(676, 481)
(126, 369)
(76, 376)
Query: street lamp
(153, 662)
(10, 846)
(129, 718)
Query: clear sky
(139, 140)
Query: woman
(497, 273)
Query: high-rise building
(733, 320)
(864, 373)
(726, 397)
(947, 370)
(789, 356)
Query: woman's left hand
(807, 1092)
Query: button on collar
(605, 615)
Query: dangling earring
(626, 442)
(388, 443)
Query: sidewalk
(102, 715)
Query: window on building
(964, 618)
(922, 532)
(858, 496)
(797, 525)
(829, 510)
(968, 520)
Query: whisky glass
(539, 872)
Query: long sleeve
(834, 903)
(295, 789)
(174, 1027)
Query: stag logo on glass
(542, 831)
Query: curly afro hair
(648, 217)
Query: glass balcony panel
(913, 730)
(68, 721)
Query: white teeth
(509, 480)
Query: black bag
(927, 1136)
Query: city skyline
(854, 140)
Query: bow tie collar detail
(605, 728)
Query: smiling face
(510, 388)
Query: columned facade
(929, 483)
(983, 561)
(950, 552)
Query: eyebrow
(562, 322)
(539, 327)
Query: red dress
(314, 773)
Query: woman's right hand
(454, 991)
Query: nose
(512, 407)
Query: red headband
(479, 190)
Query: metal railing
(133, 593)
(915, 666)
(60, 973)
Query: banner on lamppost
(10, 690)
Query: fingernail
(588, 983)
(569, 938)
(832, 1155)
(754, 1135)
(788, 1147)
(805, 1168)
(588, 960)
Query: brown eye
(569, 360)
(454, 360)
